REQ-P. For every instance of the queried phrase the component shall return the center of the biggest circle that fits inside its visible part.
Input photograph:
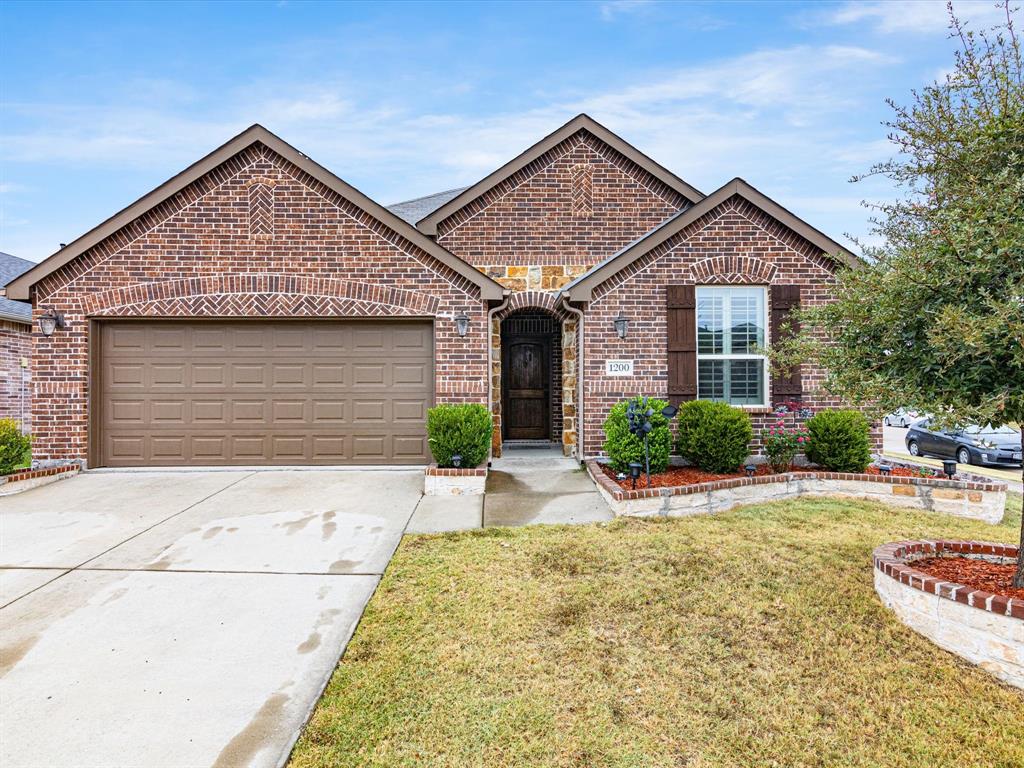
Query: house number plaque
(618, 367)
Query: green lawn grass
(751, 638)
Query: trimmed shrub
(840, 441)
(464, 429)
(714, 436)
(623, 447)
(14, 446)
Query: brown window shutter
(786, 384)
(681, 314)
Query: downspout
(490, 362)
(579, 376)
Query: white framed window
(732, 325)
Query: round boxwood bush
(14, 446)
(714, 436)
(622, 447)
(839, 440)
(459, 428)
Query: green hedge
(14, 446)
(840, 441)
(463, 429)
(714, 436)
(622, 447)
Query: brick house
(257, 309)
(15, 347)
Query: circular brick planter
(985, 629)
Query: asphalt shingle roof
(10, 268)
(414, 210)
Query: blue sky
(99, 103)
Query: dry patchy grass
(752, 638)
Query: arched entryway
(531, 382)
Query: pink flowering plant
(782, 441)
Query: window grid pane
(731, 322)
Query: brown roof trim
(20, 288)
(582, 288)
(428, 225)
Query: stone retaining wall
(971, 496)
(449, 481)
(985, 629)
(23, 479)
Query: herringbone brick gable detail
(261, 208)
(582, 190)
(188, 291)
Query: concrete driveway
(183, 618)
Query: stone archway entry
(531, 376)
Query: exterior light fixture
(751, 469)
(50, 321)
(634, 471)
(456, 460)
(949, 467)
(621, 325)
(462, 323)
(669, 411)
(885, 469)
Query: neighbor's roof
(10, 268)
(414, 210)
(582, 288)
(579, 123)
(20, 288)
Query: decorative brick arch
(732, 269)
(544, 300)
(262, 294)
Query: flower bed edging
(983, 628)
(23, 479)
(974, 496)
(449, 481)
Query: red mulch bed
(977, 574)
(676, 476)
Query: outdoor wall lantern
(51, 321)
(456, 460)
(949, 467)
(621, 325)
(462, 323)
(669, 411)
(751, 469)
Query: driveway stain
(117, 594)
(295, 526)
(209, 533)
(10, 655)
(310, 644)
(344, 566)
(248, 742)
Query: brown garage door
(263, 392)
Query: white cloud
(776, 116)
(914, 16)
(611, 9)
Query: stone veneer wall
(985, 629)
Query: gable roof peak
(20, 287)
(582, 121)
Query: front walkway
(525, 486)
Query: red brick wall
(255, 237)
(567, 210)
(15, 381)
(734, 244)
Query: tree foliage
(934, 320)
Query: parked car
(971, 445)
(901, 418)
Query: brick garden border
(23, 479)
(970, 496)
(982, 627)
(449, 481)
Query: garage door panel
(275, 392)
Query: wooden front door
(526, 388)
